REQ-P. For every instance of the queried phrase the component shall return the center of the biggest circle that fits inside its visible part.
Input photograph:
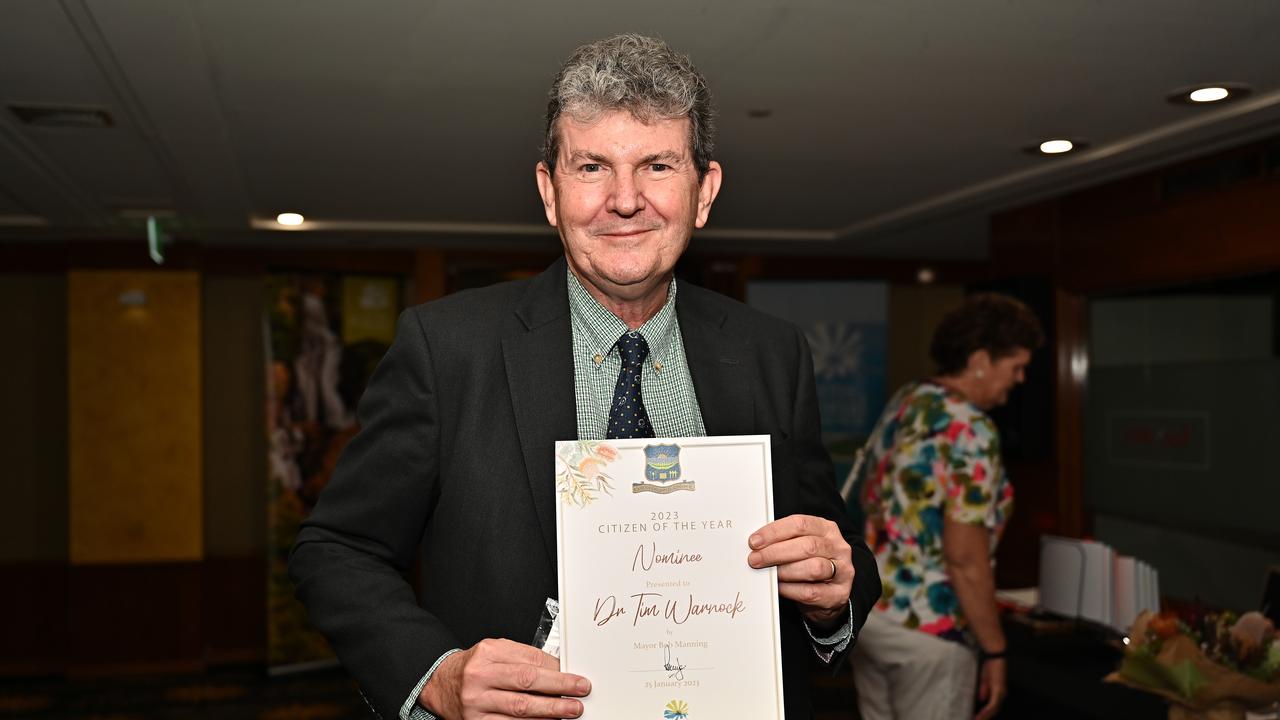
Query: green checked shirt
(666, 385)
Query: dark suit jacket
(455, 451)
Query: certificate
(658, 607)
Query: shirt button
(657, 366)
(598, 358)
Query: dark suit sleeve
(350, 554)
(819, 495)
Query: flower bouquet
(1213, 667)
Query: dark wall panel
(33, 426)
(33, 620)
(135, 618)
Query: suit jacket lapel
(721, 362)
(540, 376)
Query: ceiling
(896, 126)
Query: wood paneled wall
(1177, 225)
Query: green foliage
(1187, 679)
(1183, 678)
(1270, 667)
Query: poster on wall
(846, 326)
(325, 335)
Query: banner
(846, 324)
(325, 335)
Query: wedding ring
(833, 570)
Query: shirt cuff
(826, 648)
(411, 710)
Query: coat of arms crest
(662, 471)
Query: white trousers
(904, 674)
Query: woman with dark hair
(937, 499)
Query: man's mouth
(623, 232)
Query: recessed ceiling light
(926, 275)
(290, 219)
(1056, 147)
(1209, 94)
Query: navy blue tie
(627, 416)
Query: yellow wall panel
(369, 308)
(135, 417)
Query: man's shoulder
(486, 307)
(736, 316)
(500, 297)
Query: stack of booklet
(1089, 580)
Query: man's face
(625, 197)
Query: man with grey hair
(460, 420)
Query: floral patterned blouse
(932, 455)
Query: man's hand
(804, 548)
(502, 679)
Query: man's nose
(627, 195)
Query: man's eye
(659, 167)
(591, 167)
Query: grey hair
(641, 75)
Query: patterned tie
(627, 416)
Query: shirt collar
(604, 328)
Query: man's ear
(707, 191)
(547, 189)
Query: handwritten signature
(675, 670)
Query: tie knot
(632, 348)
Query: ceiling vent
(60, 116)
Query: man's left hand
(805, 549)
